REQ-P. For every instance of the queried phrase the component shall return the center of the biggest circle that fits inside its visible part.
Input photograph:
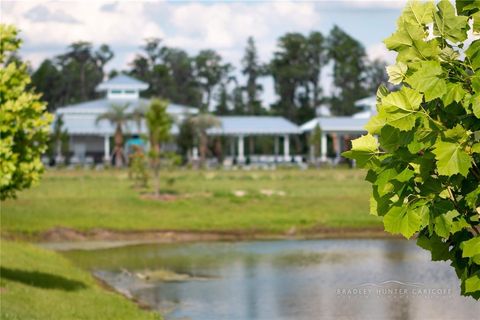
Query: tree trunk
(203, 149)
(119, 157)
(156, 169)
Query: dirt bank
(66, 237)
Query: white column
(241, 153)
(337, 147)
(195, 153)
(276, 146)
(323, 156)
(106, 148)
(232, 147)
(286, 148)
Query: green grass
(39, 284)
(86, 200)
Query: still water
(314, 279)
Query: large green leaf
(364, 151)
(472, 284)
(399, 109)
(451, 159)
(402, 220)
(455, 92)
(443, 223)
(448, 24)
(396, 73)
(417, 12)
(427, 79)
(438, 249)
(473, 53)
(471, 247)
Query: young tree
(315, 142)
(425, 165)
(117, 115)
(59, 140)
(201, 123)
(24, 122)
(158, 124)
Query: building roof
(80, 118)
(122, 81)
(254, 125)
(337, 125)
(100, 106)
(86, 124)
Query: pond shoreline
(68, 239)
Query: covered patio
(239, 128)
(339, 131)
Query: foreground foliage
(40, 284)
(24, 122)
(424, 168)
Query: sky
(48, 27)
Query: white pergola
(337, 127)
(240, 127)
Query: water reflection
(322, 279)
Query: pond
(301, 279)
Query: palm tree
(159, 124)
(201, 123)
(117, 115)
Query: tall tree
(317, 58)
(47, 79)
(290, 71)
(210, 71)
(376, 75)
(73, 76)
(159, 124)
(24, 122)
(252, 69)
(349, 68)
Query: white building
(91, 141)
(341, 130)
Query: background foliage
(424, 167)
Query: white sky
(47, 27)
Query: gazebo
(237, 128)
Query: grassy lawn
(86, 199)
(40, 284)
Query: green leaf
(472, 284)
(471, 247)
(364, 151)
(438, 249)
(448, 25)
(409, 42)
(427, 79)
(472, 198)
(420, 13)
(391, 138)
(402, 220)
(455, 92)
(399, 108)
(443, 223)
(473, 53)
(375, 124)
(396, 73)
(451, 159)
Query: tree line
(208, 82)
